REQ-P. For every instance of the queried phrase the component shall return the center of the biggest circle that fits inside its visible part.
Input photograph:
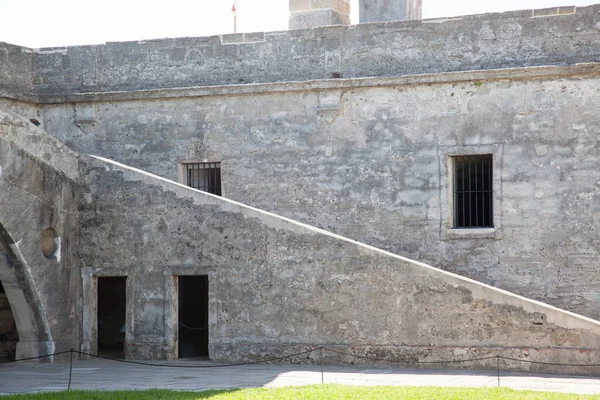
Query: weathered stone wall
(307, 14)
(389, 10)
(16, 71)
(39, 190)
(27, 110)
(365, 158)
(8, 329)
(277, 286)
(487, 41)
(370, 163)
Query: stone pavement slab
(182, 375)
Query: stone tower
(389, 10)
(306, 14)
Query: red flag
(233, 9)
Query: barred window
(205, 176)
(473, 192)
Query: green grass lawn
(317, 392)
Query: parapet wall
(16, 71)
(555, 36)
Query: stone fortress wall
(352, 128)
(558, 36)
(277, 286)
(39, 238)
(365, 155)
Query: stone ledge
(513, 74)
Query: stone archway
(32, 327)
(8, 329)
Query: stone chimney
(305, 14)
(389, 10)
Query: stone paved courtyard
(112, 375)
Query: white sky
(48, 23)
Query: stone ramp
(278, 286)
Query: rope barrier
(193, 329)
(180, 324)
(35, 358)
(313, 349)
(549, 363)
(70, 370)
(408, 362)
(266, 360)
(109, 325)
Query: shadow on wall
(18, 288)
(8, 329)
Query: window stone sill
(472, 233)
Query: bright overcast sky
(48, 23)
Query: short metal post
(70, 370)
(498, 365)
(321, 359)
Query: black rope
(181, 324)
(193, 329)
(266, 360)
(109, 325)
(36, 358)
(320, 348)
(550, 363)
(408, 362)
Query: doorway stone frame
(89, 320)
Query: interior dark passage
(193, 316)
(8, 329)
(111, 316)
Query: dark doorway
(111, 316)
(8, 330)
(193, 316)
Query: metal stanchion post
(498, 366)
(70, 370)
(321, 359)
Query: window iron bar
(473, 193)
(204, 176)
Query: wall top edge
(513, 74)
(513, 14)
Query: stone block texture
(38, 190)
(479, 42)
(307, 14)
(389, 10)
(278, 286)
(349, 131)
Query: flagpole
(234, 11)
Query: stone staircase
(278, 286)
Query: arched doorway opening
(32, 335)
(8, 329)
